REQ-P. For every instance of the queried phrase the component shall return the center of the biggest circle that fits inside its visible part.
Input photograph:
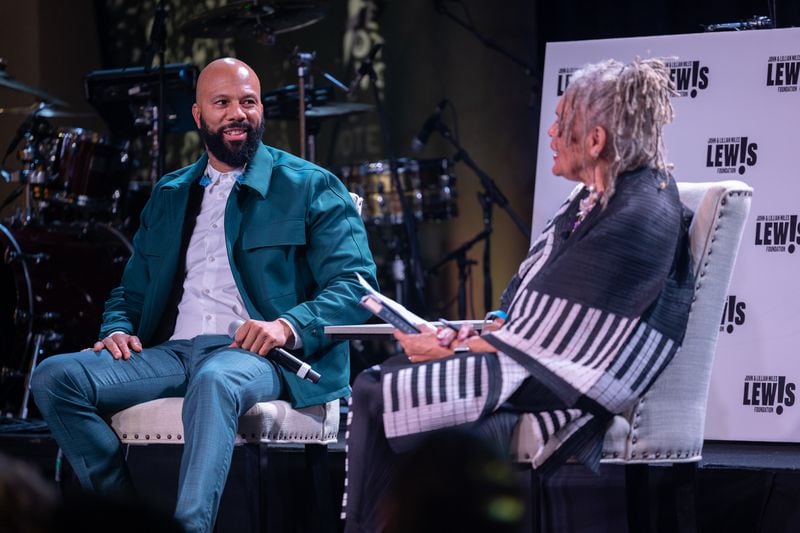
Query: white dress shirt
(211, 301)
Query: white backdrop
(738, 117)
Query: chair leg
(537, 502)
(684, 479)
(540, 507)
(637, 498)
(323, 517)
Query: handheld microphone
(419, 142)
(283, 358)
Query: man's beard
(232, 154)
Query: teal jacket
(295, 242)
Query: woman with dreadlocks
(596, 311)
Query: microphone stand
(490, 195)
(492, 192)
(460, 256)
(408, 218)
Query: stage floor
(742, 486)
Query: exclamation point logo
(689, 77)
(733, 314)
(730, 155)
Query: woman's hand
(447, 336)
(421, 347)
(494, 325)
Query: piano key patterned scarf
(595, 313)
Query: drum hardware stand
(304, 60)
(309, 129)
(157, 46)
(148, 119)
(491, 194)
(399, 276)
(417, 273)
(29, 131)
(38, 340)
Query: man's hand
(119, 345)
(260, 337)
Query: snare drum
(54, 281)
(86, 169)
(428, 186)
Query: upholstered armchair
(666, 425)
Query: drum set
(61, 250)
(76, 195)
(429, 186)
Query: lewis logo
(731, 154)
(564, 74)
(768, 394)
(777, 233)
(732, 314)
(783, 73)
(688, 76)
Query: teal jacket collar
(257, 176)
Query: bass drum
(54, 280)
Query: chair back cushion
(667, 424)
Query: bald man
(247, 249)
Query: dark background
(52, 44)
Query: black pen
(449, 324)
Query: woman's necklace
(585, 206)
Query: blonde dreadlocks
(631, 102)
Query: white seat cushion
(159, 422)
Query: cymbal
(256, 18)
(337, 109)
(10, 83)
(43, 111)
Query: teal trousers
(74, 391)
